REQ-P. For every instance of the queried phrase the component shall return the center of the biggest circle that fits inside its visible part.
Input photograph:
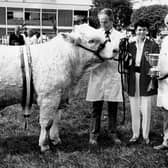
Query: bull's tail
(28, 89)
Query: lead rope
(123, 56)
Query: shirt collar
(107, 30)
(142, 42)
(110, 31)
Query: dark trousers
(96, 117)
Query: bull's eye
(91, 41)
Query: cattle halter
(97, 52)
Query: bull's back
(10, 75)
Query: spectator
(16, 38)
(42, 38)
(31, 37)
(24, 31)
(130, 34)
(105, 84)
(140, 95)
(162, 99)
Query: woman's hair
(108, 12)
(141, 23)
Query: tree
(154, 14)
(122, 10)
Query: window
(10, 15)
(2, 14)
(80, 17)
(64, 17)
(15, 16)
(64, 30)
(32, 16)
(48, 17)
(49, 33)
(10, 30)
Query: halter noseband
(97, 52)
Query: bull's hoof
(45, 148)
(94, 148)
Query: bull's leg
(44, 138)
(54, 131)
(48, 106)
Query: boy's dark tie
(107, 35)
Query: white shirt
(105, 80)
(140, 46)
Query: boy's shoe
(114, 137)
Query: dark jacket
(16, 39)
(150, 46)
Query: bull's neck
(77, 67)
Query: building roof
(75, 2)
(61, 4)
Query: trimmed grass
(19, 148)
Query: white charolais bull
(56, 65)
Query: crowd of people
(22, 35)
(105, 84)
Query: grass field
(19, 148)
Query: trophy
(153, 59)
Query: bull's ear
(71, 37)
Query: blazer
(150, 46)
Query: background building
(44, 16)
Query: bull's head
(91, 40)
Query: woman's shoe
(133, 140)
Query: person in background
(24, 31)
(130, 34)
(31, 37)
(42, 38)
(140, 95)
(105, 84)
(162, 98)
(16, 38)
